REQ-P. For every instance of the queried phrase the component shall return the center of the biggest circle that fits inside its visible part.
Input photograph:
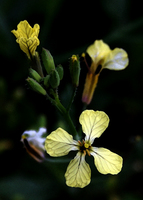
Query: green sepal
(48, 60)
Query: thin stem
(72, 99)
(67, 117)
(56, 102)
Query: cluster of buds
(54, 74)
(27, 38)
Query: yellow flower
(78, 173)
(27, 37)
(102, 56)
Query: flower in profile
(27, 37)
(34, 143)
(102, 57)
(60, 143)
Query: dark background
(67, 28)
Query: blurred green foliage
(67, 28)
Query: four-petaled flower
(27, 37)
(78, 173)
(101, 55)
(34, 143)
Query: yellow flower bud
(27, 37)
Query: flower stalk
(93, 123)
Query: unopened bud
(54, 79)
(60, 71)
(46, 80)
(36, 86)
(75, 69)
(48, 60)
(33, 74)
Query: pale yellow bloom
(78, 173)
(101, 55)
(27, 37)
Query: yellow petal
(106, 161)
(27, 37)
(16, 33)
(28, 46)
(59, 143)
(93, 124)
(24, 29)
(116, 60)
(98, 51)
(36, 30)
(78, 172)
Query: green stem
(56, 102)
(72, 99)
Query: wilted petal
(93, 124)
(59, 143)
(78, 172)
(116, 60)
(106, 161)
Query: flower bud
(75, 69)
(60, 71)
(46, 81)
(34, 75)
(48, 61)
(54, 79)
(36, 86)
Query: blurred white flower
(34, 143)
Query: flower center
(84, 147)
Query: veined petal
(93, 124)
(78, 172)
(98, 51)
(106, 161)
(59, 143)
(27, 37)
(32, 43)
(116, 60)
(24, 29)
(28, 45)
(36, 30)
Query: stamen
(84, 152)
(88, 152)
(80, 142)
